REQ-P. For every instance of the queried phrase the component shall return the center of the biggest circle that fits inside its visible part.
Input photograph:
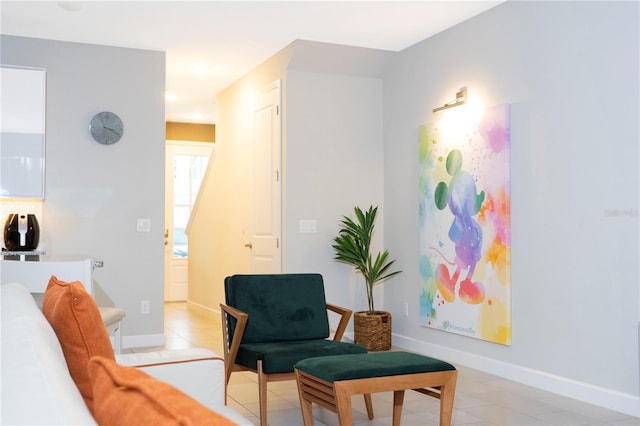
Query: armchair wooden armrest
(344, 320)
(231, 343)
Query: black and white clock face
(106, 128)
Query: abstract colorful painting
(465, 240)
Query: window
(188, 171)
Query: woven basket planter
(372, 330)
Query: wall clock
(106, 128)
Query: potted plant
(372, 328)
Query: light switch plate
(308, 226)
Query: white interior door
(266, 229)
(186, 163)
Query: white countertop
(23, 253)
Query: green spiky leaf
(352, 246)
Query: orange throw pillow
(76, 320)
(127, 396)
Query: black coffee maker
(21, 232)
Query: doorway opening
(186, 164)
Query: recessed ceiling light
(201, 69)
(70, 6)
(170, 97)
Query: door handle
(249, 245)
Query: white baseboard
(607, 398)
(143, 341)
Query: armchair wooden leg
(262, 394)
(227, 375)
(447, 395)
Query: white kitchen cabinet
(22, 132)
(34, 272)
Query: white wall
(570, 72)
(95, 193)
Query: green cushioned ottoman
(330, 381)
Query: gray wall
(570, 72)
(333, 157)
(95, 193)
(334, 162)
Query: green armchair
(272, 321)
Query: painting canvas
(465, 227)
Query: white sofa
(35, 384)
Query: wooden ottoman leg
(398, 399)
(343, 405)
(447, 395)
(305, 404)
(369, 405)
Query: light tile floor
(481, 399)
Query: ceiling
(210, 44)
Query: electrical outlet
(405, 309)
(145, 307)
